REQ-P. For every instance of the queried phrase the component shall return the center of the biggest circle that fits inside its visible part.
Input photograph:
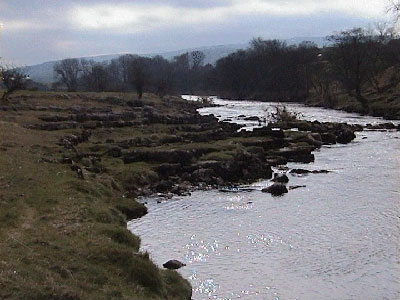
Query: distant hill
(43, 72)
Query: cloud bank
(145, 17)
(40, 30)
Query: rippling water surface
(336, 238)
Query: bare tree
(124, 63)
(162, 75)
(137, 74)
(13, 79)
(197, 59)
(384, 32)
(68, 71)
(349, 60)
(95, 76)
(394, 8)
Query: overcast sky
(35, 31)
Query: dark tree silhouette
(13, 79)
(349, 60)
(394, 7)
(197, 59)
(137, 74)
(161, 75)
(68, 71)
(95, 76)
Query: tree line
(269, 70)
(131, 72)
(354, 61)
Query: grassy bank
(385, 103)
(63, 237)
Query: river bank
(385, 104)
(73, 164)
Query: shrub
(282, 114)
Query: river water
(336, 238)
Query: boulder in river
(293, 187)
(173, 264)
(281, 178)
(253, 118)
(328, 138)
(345, 136)
(303, 171)
(277, 189)
(314, 139)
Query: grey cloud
(53, 37)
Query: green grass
(219, 156)
(62, 237)
(136, 175)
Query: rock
(253, 118)
(303, 171)
(204, 175)
(167, 169)
(115, 152)
(299, 171)
(135, 103)
(345, 136)
(66, 160)
(114, 100)
(164, 185)
(297, 154)
(86, 162)
(96, 170)
(267, 131)
(90, 125)
(301, 125)
(320, 171)
(382, 126)
(229, 189)
(276, 160)
(79, 172)
(314, 139)
(293, 187)
(328, 138)
(51, 126)
(164, 156)
(281, 178)
(135, 211)
(220, 181)
(277, 189)
(46, 159)
(173, 264)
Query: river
(336, 238)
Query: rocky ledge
(166, 147)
